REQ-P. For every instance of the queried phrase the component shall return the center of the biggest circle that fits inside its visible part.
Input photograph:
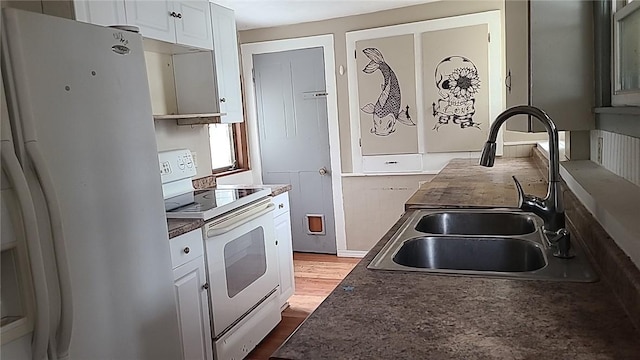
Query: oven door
(241, 265)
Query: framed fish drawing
(455, 88)
(387, 95)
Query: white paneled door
(294, 141)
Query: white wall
(372, 204)
(620, 154)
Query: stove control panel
(176, 165)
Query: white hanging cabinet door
(105, 13)
(225, 45)
(193, 23)
(154, 18)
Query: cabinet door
(517, 58)
(225, 42)
(153, 17)
(193, 24)
(195, 83)
(549, 51)
(561, 61)
(105, 13)
(285, 256)
(193, 310)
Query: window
(626, 47)
(228, 148)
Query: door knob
(323, 171)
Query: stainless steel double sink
(490, 242)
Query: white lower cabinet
(190, 289)
(282, 222)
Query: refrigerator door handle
(14, 172)
(64, 278)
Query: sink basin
(488, 242)
(467, 253)
(477, 223)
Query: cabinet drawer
(186, 247)
(282, 204)
(392, 163)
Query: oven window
(245, 261)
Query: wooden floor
(316, 276)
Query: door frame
(326, 43)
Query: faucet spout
(550, 126)
(551, 208)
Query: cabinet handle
(205, 286)
(281, 206)
(276, 242)
(507, 81)
(223, 100)
(179, 16)
(390, 162)
(186, 250)
(173, 14)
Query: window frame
(619, 11)
(240, 150)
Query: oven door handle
(215, 230)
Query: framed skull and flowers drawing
(423, 93)
(456, 99)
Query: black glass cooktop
(209, 203)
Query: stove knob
(186, 250)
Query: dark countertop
(464, 182)
(178, 227)
(377, 314)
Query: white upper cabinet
(193, 26)
(156, 19)
(181, 22)
(104, 13)
(227, 64)
(549, 52)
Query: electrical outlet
(194, 156)
(599, 151)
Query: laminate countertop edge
(396, 314)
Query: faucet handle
(521, 194)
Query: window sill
(228, 172)
(618, 110)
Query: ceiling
(253, 14)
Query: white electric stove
(240, 252)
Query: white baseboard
(352, 253)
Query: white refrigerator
(81, 195)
